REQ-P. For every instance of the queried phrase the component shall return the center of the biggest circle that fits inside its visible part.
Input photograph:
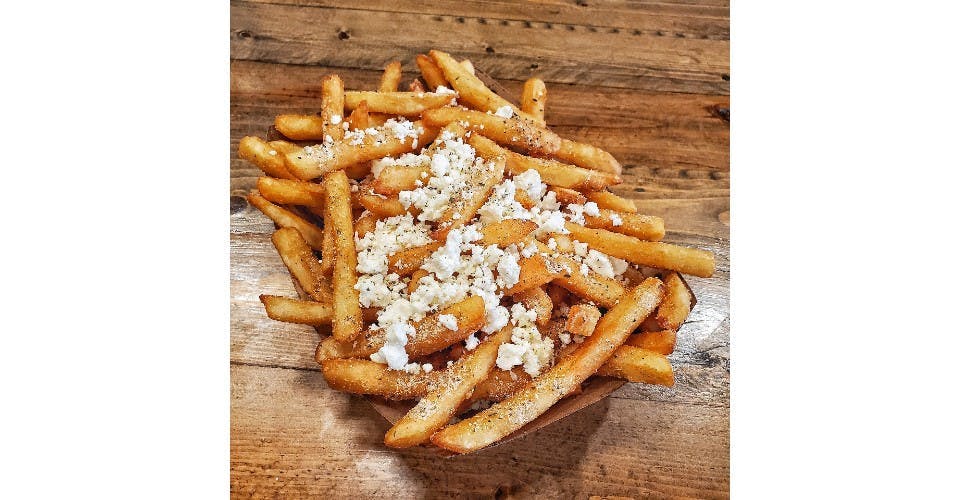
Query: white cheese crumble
(448, 320)
(504, 112)
(336, 119)
(590, 208)
(527, 346)
(471, 342)
(616, 219)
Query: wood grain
(647, 81)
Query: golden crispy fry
(537, 300)
(360, 117)
(382, 206)
(645, 227)
(432, 74)
(328, 252)
(468, 66)
(472, 91)
(365, 223)
(608, 200)
(568, 196)
(264, 156)
(515, 132)
(463, 208)
(524, 199)
(533, 100)
(396, 178)
(417, 86)
(661, 341)
(507, 232)
(591, 286)
(501, 384)
(534, 271)
(551, 172)
(655, 254)
(361, 376)
(633, 275)
(453, 387)
(397, 103)
(329, 348)
(676, 303)
(407, 261)
(291, 192)
(638, 365)
(313, 161)
(357, 170)
(415, 280)
(582, 319)
(300, 127)
(282, 148)
(331, 110)
(431, 336)
(305, 312)
(347, 318)
(563, 378)
(390, 80)
(285, 218)
(587, 156)
(302, 264)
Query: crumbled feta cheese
(576, 214)
(580, 248)
(273, 152)
(564, 338)
(600, 263)
(510, 355)
(444, 90)
(336, 119)
(619, 265)
(508, 269)
(616, 219)
(427, 367)
(590, 208)
(530, 182)
(527, 346)
(471, 342)
(448, 320)
(505, 112)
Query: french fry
(661, 341)
(264, 156)
(468, 66)
(314, 161)
(357, 170)
(347, 318)
(300, 127)
(533, 100)
(464, 207)
(330, 348)
(291, 192)
(397, 103)
(582, 319)
(534, 271)
(593, 287)
(453, 387)
(431, 335)
(284, 147)
(285, 218)
(507, 232)
(558, 294)
(563, 378)
(304, 312)
(396, 178)
(331, 106)
(431, 73)
(472, 91)
(551, 172)
(654, 254)
(638, 365)
(391, 77)
(328, 252)
(645, 227)
(407, 261)
(676, 303)
(608, 200)
(360, 117)
(587, 156)
(365, 223)
(568, 196)
(501, 384)
(537, 300)
(382, 206)
(302, 264)
(415, 280)
(514, 132)
(524, 199)
(361, 376)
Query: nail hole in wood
(244, 34)
(343, 34)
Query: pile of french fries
(324, 199)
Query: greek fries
(469, 256)
(566, 376)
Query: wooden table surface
(646, 81)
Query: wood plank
(283, 420)
(369, 39)
(689, 19)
